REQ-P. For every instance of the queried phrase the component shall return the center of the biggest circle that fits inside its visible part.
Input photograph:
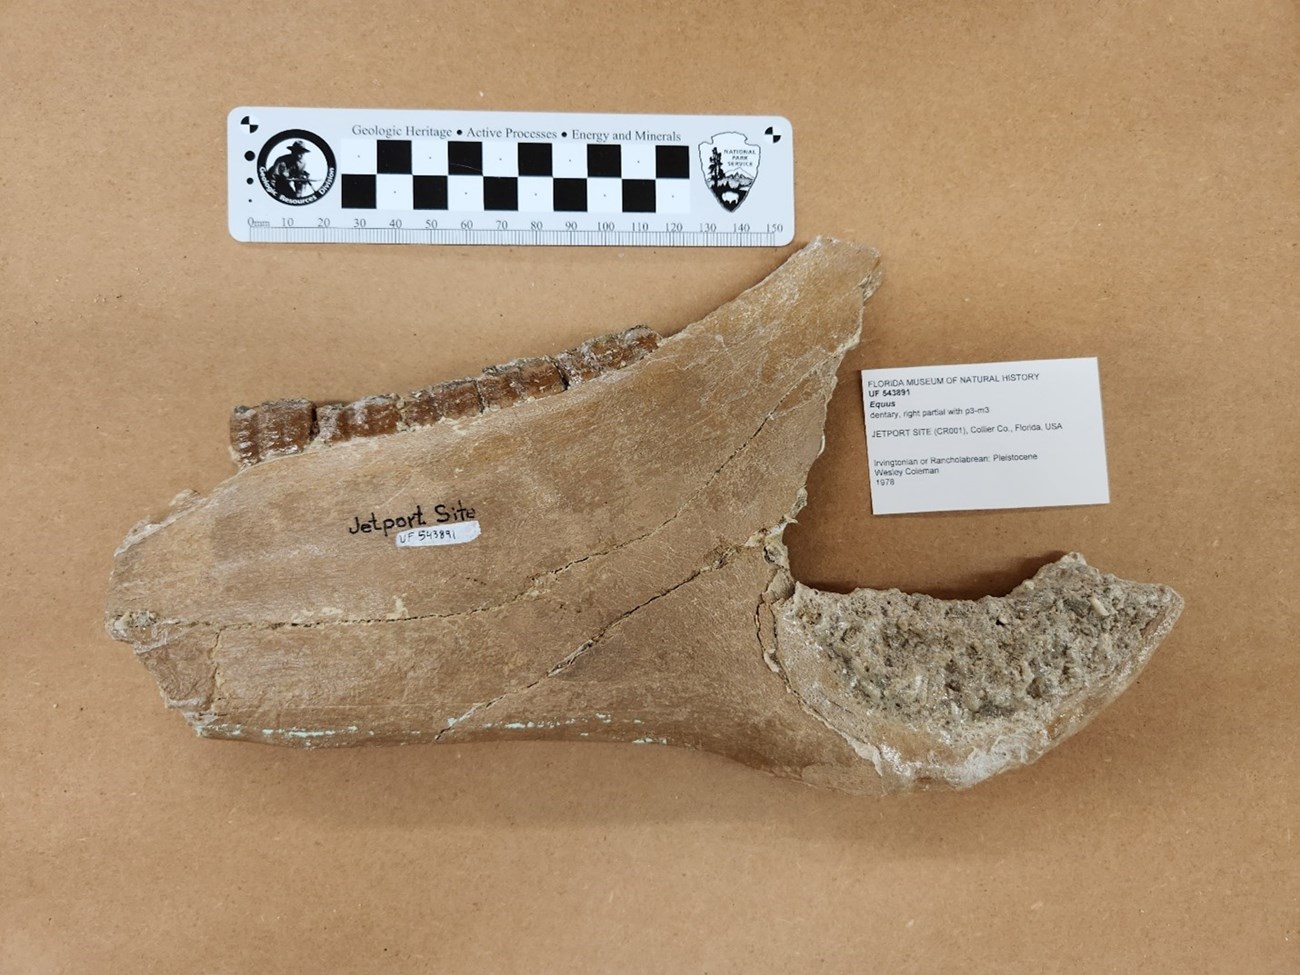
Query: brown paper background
(1043, 180)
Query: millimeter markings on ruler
(400, 176)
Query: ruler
(402, 176)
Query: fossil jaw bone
(629, 583)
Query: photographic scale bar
(381, 176)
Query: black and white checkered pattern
(521, 177)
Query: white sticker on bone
(454, 534)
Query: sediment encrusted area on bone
(955, 666)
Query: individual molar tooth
(519, 381)
(371, 416)
(453, 400)
(274, 429)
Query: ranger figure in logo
(288, 174)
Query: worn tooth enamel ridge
(627, 581)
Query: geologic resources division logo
(296, 167)
(730, 166)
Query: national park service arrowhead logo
(730, 166)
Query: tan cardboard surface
(1043, 180)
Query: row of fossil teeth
(290, 426)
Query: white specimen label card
(988, 435)
(456, 533)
